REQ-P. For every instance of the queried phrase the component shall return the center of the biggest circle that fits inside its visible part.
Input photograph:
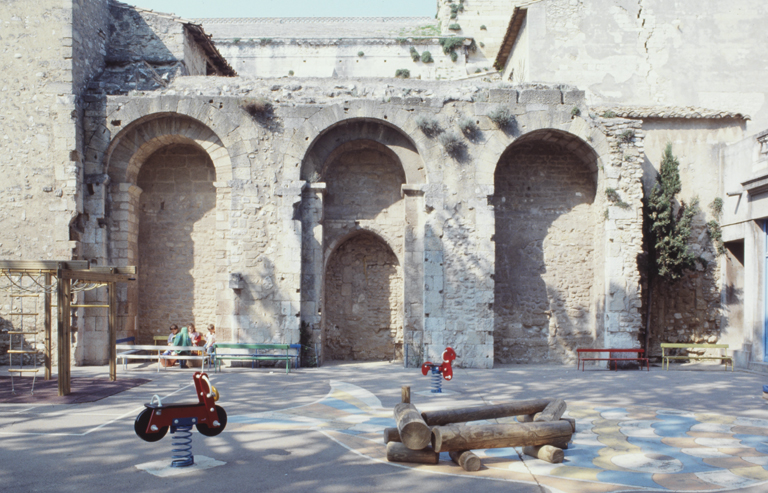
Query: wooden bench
(255, 352)
(161, 340)
(155, 353)
(665, 346)
(639, 352)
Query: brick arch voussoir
(310, 138)
(588, 142)
(373, 231)
(141, 133)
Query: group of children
(188, 336)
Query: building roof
(320, 27)
(216, 60)
(687, 112)
(513, 29)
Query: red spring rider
(443, 369)
(153, 422)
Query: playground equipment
(444, 369)
(153, 422)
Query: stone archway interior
(363, 307)
(545, 242)
(177, 224)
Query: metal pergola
(71, 275)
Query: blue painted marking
(383, 422)
(341, 405)
(759, 443)
(673, 426)
(501, 452)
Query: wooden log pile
(420, 437)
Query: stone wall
(177, 223)
(364, 301)
(280, 242)
(39, 133)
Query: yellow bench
(666, 357)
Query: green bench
(667, 346)
(255, 352)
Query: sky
(191, 9)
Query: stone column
(413, 270)
(312, 261)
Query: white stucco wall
(641, 52)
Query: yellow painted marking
(714, 418)
(754, 472)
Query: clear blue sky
(291, 8)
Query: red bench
(638, 352)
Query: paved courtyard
(693, 428)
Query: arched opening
(356, 170)
(545, 239)
(363, 314)
(162, 169)
(176, 239)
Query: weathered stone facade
(390, 218)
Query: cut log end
(466, 459)
(414, 432)
(397, 452)
(391, 435)
(547, 453)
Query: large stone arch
(548, 241)
(338, 135)
(376, 158)
(137, 143)
(577, 132)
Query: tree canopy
(669, 226)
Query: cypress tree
(667, 231)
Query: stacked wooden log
(420, 437)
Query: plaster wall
(744, 214)
(340, 58)
(644, 53)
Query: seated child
(211, 339)
(194, 335)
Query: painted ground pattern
(613, 449)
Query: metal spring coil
(437, 381)
(181, 447)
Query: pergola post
(48, 343)
(64, 332)
(112, 327)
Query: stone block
(502, 96)
(540, 96)
(573, 97)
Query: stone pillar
(434, 275)
(288, 260)
(225, 296)
(124, 251)
(312, 261)
(413, 271)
